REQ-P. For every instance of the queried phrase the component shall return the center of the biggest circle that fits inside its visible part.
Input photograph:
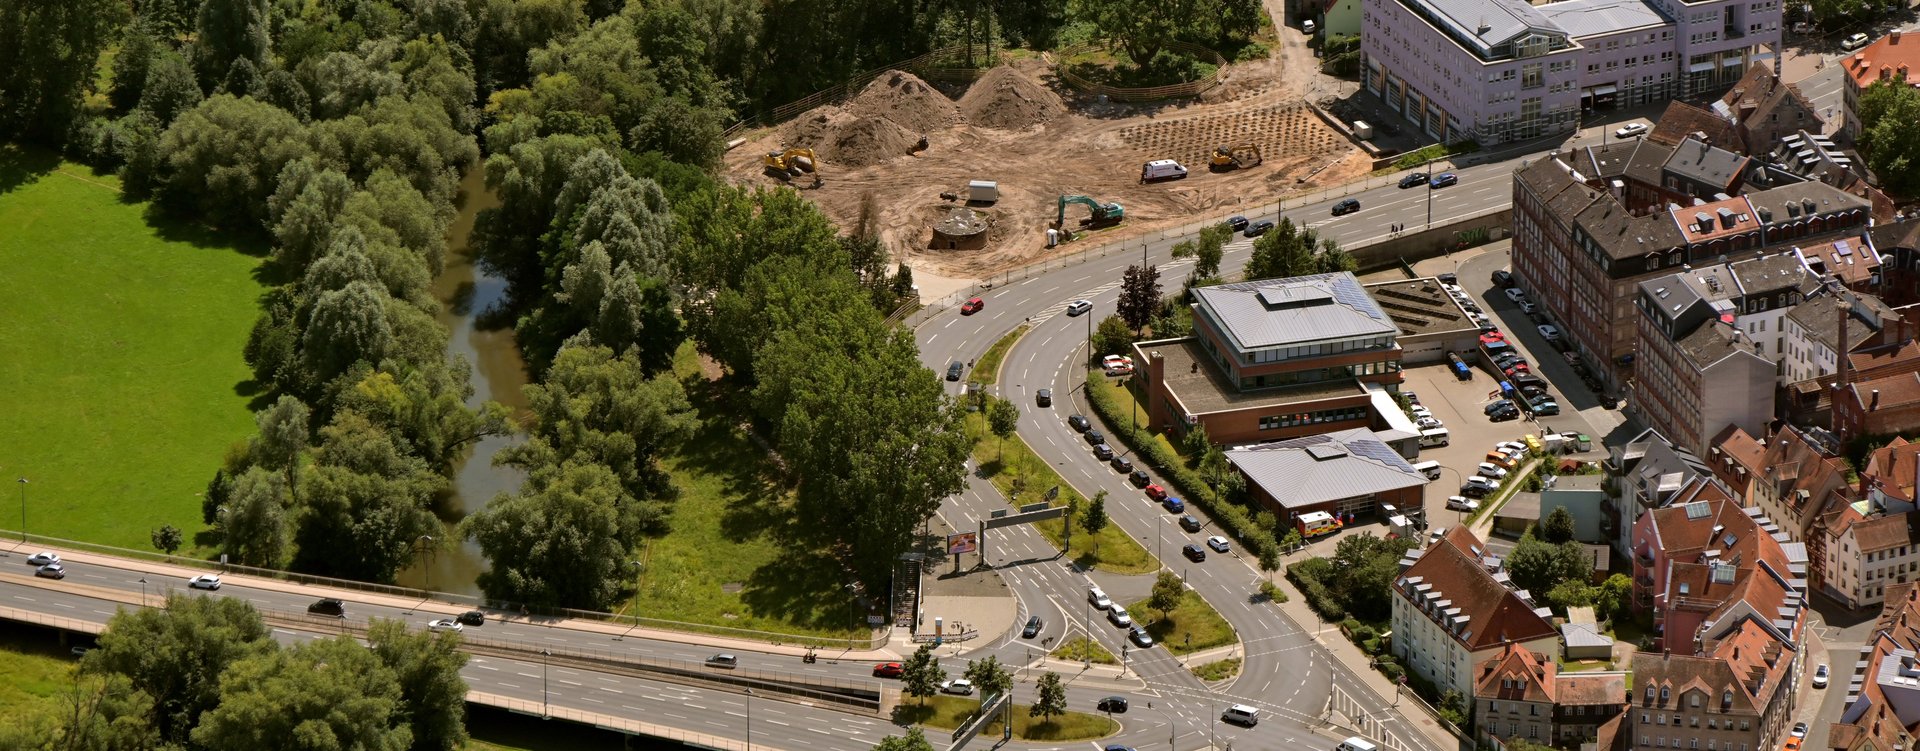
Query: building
(1794, 476)
(1888, 405)
(1815, 335)
(1698, 368)
(1583, 496)
(1683, 120)
(1587, 708)
(1513, 697)
(1495, 71)
(1699, 565)
(1766, 110)
(1650, 473)
(1874, 545)
(1738, 695)
(1887, 58)
(1341, 19)
(1892, 477)
(1883, 699)
(1350, 471)
(1453, 609)
(1899, 246)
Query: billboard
(964, 542)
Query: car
(51, 571)
(1412, 179)
(1120, 370)
(1346, 206)
(1043, 398)
(328, 606)
(80, 651)
(1118, 747)
(1502, 278)
(1033, 627)
(1497, 406)
(1118, 616)
(1112, 704)
(445, 624)
(1190, 523)
(1236, 222)
(723, 660)
(472, 618)
(1098, 598)
(1094, 437)
(1102, 452)
(1527, 307)
(1140, 637)
(1139, 478)
(1799, 730)
(1173, 504)
(1121, 464)
(959, 686)
(1219, 544)
(954, 370)
(889, 670)
(1487, 484)
(1078, 307)
(1792, 744)
(1193, 552)
(42, 558)
(972, 306)
(1854, 42)
(1448, 277)
(1462, 503)
(1516, 294)
(1820, 676)
(1444, 179)
(204, 581)
(1428, 423)
(1156, 492)
(1257, 229)
(1510, 446)
(1545, 408)
(1631, 129)
(1474, 491)
(1548, 331)
(1116, 365)
(1419, 411)
(1487, 469)
(1412, 398)
(1079, 423)
(1510, 413)
(1515, 369)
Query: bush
(1186, 482)
(1391, 669)
(1310, 576)
(1371, 645)
(1361, 632)
(1273, 592)
(1252, 52)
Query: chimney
(1894, 38)
(1875, 404)
(1842, 310)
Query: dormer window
(1664, 695)
(1649, 694)
(1726, 700)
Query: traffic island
(1083, 649)
(1023, 478)
(1190, 627)
(948, 712)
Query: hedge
(1307, 576)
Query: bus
(1316, 523)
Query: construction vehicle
(1238, 156)
(792, 163)
(1103, 214)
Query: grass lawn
(122, 356)
(1218, 670)
(1116, 388)
(986, 370)
(1012, 467)
(948, 712)
(735, 554)
(1084, 649)
(37, 672)
(1193, 618)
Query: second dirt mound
(907, 101)
(861, 141)
(1007, 98)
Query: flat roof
(1298, 310)
(1419, 306)
(1488, 23)
(1194, 380)
(1586, 18)
(1310, 470)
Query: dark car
(1236, 222)
(330, 607)
(1412, 179)
(472, 618)
(1140, 637)
(1189, 523)
(1502, 279)
(1043, 397)
(1173, 504)
(1510, 413)
(1194, 553)
(1346, 206)
(1444, 179)
(1449, 278)
(1034, 625)
(954, 370)
(1497, 406)
(1102, 451)
(1258, 228)
(1079, 423)
(1094, 437)
(1139, 478)
(1112, 704)
(1121, 464)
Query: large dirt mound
(1007, 98)
(907, 101)
(861, 141)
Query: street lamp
(636, 594)
(424, 545)
(23, 509)
(143, 591)
(544, 656)
(749, 719)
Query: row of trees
(204, 673)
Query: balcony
(1643, 557)
(1644, 580)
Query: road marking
(509, 685)
(482, 667)
(570, 683)
(776, 722)
(591, 699)
(614, 690)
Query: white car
(1078, 307)
(1462, 503)
(1114, 361)
(1854, 42)
(1549, 331)
(1630, 130)
(1219, 544)
(1820, 676)
(1119, 616)
(204, 581)
(1510, 447)
(1487, 469)
(1428, 423)
(1482, 483)
(42, 558)
(1516, 294)
(1420, 411)
(959, 686)
(445, 624)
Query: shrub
(1186, 482)
(1361, 632)
(1250, 53)
(1310, 576)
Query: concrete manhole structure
(960, 228)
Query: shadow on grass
(20, 166)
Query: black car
(1257, 229)
(1140, 637)
(1102, 451)
(1139, 478)
(1121, 464)
(954, 370)
(1113, 704)
(1346, 206)
(1094, 437)
(1189, 523)
(1034, 625)
(472, 618)
(1413, 179)
(330, 607)
(1079, 423)
(1502, 279)
(1043, 397)
(1510, 413)
(1497, 406)
(1194, 553)
(1236, 223)
(1449, 278)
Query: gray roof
(1704, 163)
(1773, 273)
(1581, 483)
(1585, 18)
(1584, 635)
(1818, 317)
(1826, 200)
(1503, 20)
(1520, 506)
(1683, 289)
(1299, 310)
(1714, 342)
(1300, 472)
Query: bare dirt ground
(1021, 127)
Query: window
(1663, 696)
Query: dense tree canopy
(1890, 134)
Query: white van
(1434, 437)
(1161, 169)
(1356, 743)
(1241, 714)
(1430, 469)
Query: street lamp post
(544, 657)
(749, 719)
(426, 549)
(143, 591)
(23, 509)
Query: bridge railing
(615, 723)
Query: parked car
(1173, 504)
(328, 606)
(1078, 307)
(1193, 552)
(1516, 294)
(1033, 628)
(1094, 437)
(445, 624)
(42, 558)
(1799, 730)
(972, 306)
(1118, 616)
(1346, 206)
(1444, 179)
(1496, 407)
(1236, 222)
(1412, 179)
(958, 686)
(1139, 478)
(1527, 307)
(1854, 42)
(1219, 544)
(1079, 423)
(1112, 704)
(1121, 464)
(1820, 676)
(1156, 492)
(1550, 332)
(1140, 637)
(1502, 278)
(1189, 523)
(1043, 398)
(1257, 229)
(51, 571)
(1428, 423)
(1102, 452)
(1448, 278)
(1462, 503)
(204, 581)
(1546, 408)
(955, 369)
(889, 670)
(472, 618)
(1488, 469)
(1631, 129)
(1509, 413)
(1483, 483)
(723, 660)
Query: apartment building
(1827, 323)
(1504, 70)
(1453, 610)
(1794, 476)
(1875, 539)
(1522, 695)
(1887, 58)
(1882, 712)
(1647, 473)
(1889, 405)
(1701, 565)
(1735, 696)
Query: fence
(873, 641)
(615, 723)
(1192, 88)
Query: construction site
(967, 178)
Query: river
(465, 291)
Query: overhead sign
(1026, 517)
(963, 542)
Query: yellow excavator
(1237, 156)
(792, 163)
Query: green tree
(1282, 252)
(1558, 528)
(989, 676)
(98, 714)
(427, 666)
(230, 31)
(349, 325)
(1168, 591)
(168, 539)
(1050, 698)
(1539, 566)
(681, 131)
(1572, 593)
(922, 675)
(326, 694)
(1095, 519)
(178, 655)
(1615, 598)
(1003, 418)
(282, 440)
(1139, 295)
(1210, 249)
(1836, 14)
(256, 529)
(1270, 560)
(47, 56)
(914, 740)
(170, 88)
(138, 45)
(1364, 566)
(221, 158)
(1890, 133)
(1195, 444)
(557, 541)
(366, 504)
(1334, 258)
(1111, 336)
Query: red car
(1156, 492)
(888, 670)
(972, 306)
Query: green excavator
(1103, 214)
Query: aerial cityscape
(849, 375)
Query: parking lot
(1457, 404)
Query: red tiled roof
(1880, 727)
(1682, 120)
(1589, 689)
(1894, 468)
(1895, 390)
(1516, 675)
(1889, 531)
(1890, 56)
(1749, 662)
(1495, 615)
